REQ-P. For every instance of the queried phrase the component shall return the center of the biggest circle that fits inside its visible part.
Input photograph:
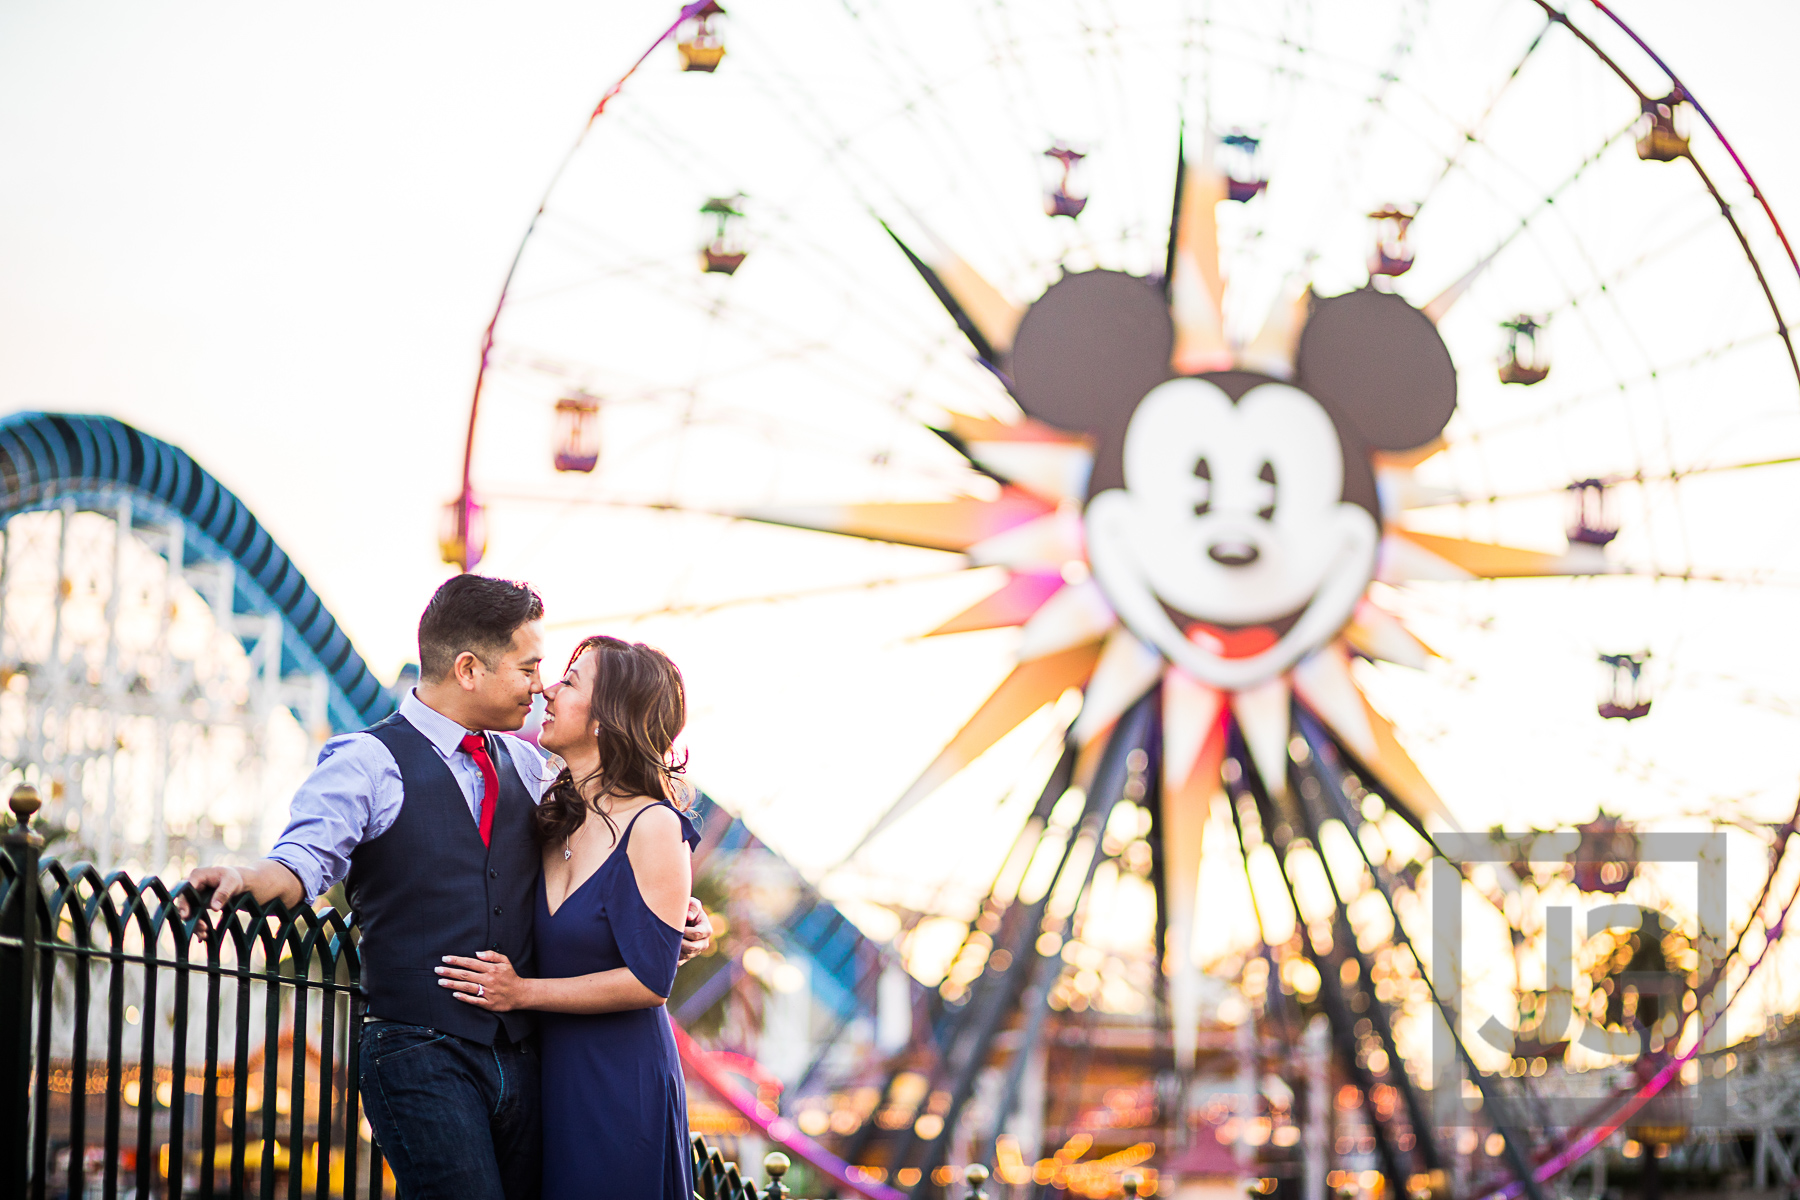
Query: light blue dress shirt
(353, 795)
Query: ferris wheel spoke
(946, 126)
(763, 330)
(701, 609)
(1344, 163)
(715, 417)
(835, 144)
(640, 270)
(1643, 353)
(761, 326)
(853, 300)
(1428, 501)
(785, 435)
(1625, 385)
(1472, 133)
(1021, 83)
(1101, 37)
(670, 139)
(1679, 241)
(1410, 556)
(1653, 375)
(1439, 306)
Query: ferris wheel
(1129, 484)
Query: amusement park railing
(716, 1179)
(146, 1053)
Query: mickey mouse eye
(1203, 472)
(1267, 475)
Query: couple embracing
(521, 925)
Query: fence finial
(775, 1166)
(976, 1176)
(24, 803)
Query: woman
(608, 931)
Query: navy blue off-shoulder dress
(615, 1107)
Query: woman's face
(567, 723)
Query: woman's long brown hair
(639, 704)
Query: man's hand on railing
(222, 882)
(264, 880)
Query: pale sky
(273, 237)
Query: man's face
(502, 694)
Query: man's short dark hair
(476, 613)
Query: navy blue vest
(427, 887)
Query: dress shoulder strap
(632, 824)
(689, 833)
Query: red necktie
(475, 746)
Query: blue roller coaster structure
(96, 463)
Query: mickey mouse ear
(1381, 364)
(1086, 353)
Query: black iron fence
(147, 1053)
(716, 1179)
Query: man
(428, 817)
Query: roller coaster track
(95, 463)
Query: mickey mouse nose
(1233, 554)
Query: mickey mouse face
(1233, 521)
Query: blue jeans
(456, 1119)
